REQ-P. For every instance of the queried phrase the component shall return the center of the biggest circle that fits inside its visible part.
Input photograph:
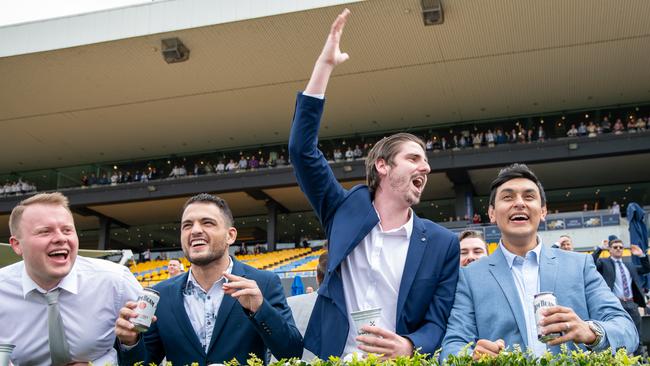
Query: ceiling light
(432, 13)
(173, 50)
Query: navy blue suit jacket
(428, 284)
(608, 269)
(235, 335)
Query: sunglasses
(617, 247)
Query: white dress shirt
(202, 307)
(91, 297)
(372, 274)
(618, 281)
(525, 273)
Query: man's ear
(382, 167)
(493, 219)
(15, 245)
(544, 212)
(231, 235)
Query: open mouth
(59, 254)
(418, 182)
(198, 243)
(519, 218)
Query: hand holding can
(145, 309)
(541, 301)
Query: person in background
(472, 247)
(622, 277)
(174, 267)
(565, 243)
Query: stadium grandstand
(93, 106)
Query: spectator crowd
(16, 188)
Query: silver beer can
(146, 309)
(542, 301)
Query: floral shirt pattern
(202, 306)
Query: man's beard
(402, 184)
(210, 257)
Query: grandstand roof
(118, 99)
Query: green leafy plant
(514, 357)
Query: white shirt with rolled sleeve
(91, 297)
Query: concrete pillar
(104, 233)
(464, 203)
(272, 225)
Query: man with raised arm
(381, 255)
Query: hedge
(506, 358)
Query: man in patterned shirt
(218, 310)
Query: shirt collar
(404, 230)
(69, 283)
(510, 257)
(192, 280)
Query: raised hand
(330, 57)
(331, 53)
(245, 291)
(636, 250)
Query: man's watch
(598, 331)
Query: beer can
(542, 301)
(146, 309)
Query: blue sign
(611, 220)
(573, 222)
(492, 234)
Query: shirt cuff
(317, 96)
(124, 347)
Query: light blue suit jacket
(487, 304)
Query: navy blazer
(235, 335)
(607, 269)
(428, 284)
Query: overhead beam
(85, 211)
(260, 195)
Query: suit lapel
(342, 247)
(501, 271)
(181, 316)
(226, 305)
(547, 270)
(417, 246)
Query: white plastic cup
(5, 353)
(366, 317)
